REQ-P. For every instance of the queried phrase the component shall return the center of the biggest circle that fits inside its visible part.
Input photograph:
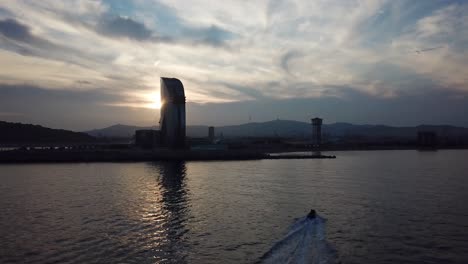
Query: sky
(81, 65)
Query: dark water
(380, 206)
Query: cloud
(19, 38)
(69, 109)
(286, 58)
(212, 35)
(165, 26)
(446, 27)
(252, 94)
(237, 50)
(124, 27)
(168, 25)
(20, 33)
(10, 28)
(410, 108)
(95, 108)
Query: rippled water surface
(380, 206)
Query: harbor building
(147, 138)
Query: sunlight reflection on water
(381, 206)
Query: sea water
(379, 206)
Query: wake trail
(305, 242)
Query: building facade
(427, 139)
(172, 122)
(147, 138)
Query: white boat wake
(304, 243)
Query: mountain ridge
(29, 133)
(293, 129)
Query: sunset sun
(153, 101)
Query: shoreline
(137, 155)
(57, 156)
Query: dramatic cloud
(124, 27)
(71, 109)
(234, 53)
(14, 30)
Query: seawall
(30, 156)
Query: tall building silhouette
(172, 121)
(317, 132)
(211, 133)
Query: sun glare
(154, 101)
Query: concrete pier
(131, 155)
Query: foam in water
(304, 243)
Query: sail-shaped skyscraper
(172, 122)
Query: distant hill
(26, 133)
(282, 128)
(296, 129)
(381, 131)
(126, 131)
(11, 133)
(116, 131)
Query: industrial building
(147, 138)
(172, 122)
(427, 139)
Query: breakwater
(129, 155)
